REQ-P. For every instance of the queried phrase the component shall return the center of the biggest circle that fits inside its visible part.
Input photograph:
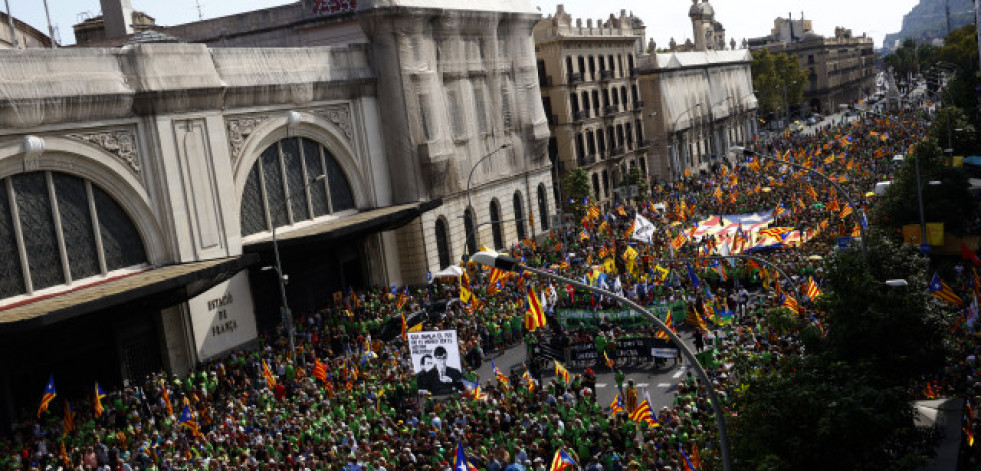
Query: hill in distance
(928, 20)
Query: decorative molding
(339, 115)
(239, 130)
(118, 142)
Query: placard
(436, 361)
(223, 317)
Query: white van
(880, 188)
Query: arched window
(66, 227)
(495, 215)
(281, 189)
(471, 235)
(542, 206)
(442, 243)
(519, 211)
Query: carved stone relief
(239, 130)
(339, 115)
(118, 142)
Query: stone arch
(444, 243)
(90, 162)
(311, 127)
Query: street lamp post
(838, 188)
(674, 129)
(495, 260)
(469, 194)
(286, 313)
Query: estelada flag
(941, 291)
(97, 403)
(166, 398)
(48, 395)
(562, 461)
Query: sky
(664, 18)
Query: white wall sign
(223, 317)
(436, 361)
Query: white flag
(643, 230)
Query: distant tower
(702, 21)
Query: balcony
(645, 143)
(634, 72)
(587, 160)
(578, 116)
(618, 151)
(611, 110)
(575, 78)
(638, 104)
(606, 75)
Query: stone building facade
(700, 103)
(15, 34)
(588, 78)
(143, 186)
(841, 70)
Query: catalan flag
(531, 381)
(562, 461)
(353, 297)
(48, 395)
(402, 299)
(609, 363)
(165, 395)
(561, 372)
(583, 236)
(493, 283)
(473, 390)
(69, 418)
(846, 211)
(811, 289)
(685, 461)
(405, 328)
(187, 420)
(320, 370)
(500, 376)
(643, 414)
(267, 373)
(617, 405)
(535, 317)
(941, 291)
(629, 254)
(789, 302)
(668, 322)
(97, 403)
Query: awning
(159, 287)
(371, 221)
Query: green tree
(941, 203)
(844, 404)
(575, 187)
(771, 72)
(960, 50)
(951, 123)
(911, 59)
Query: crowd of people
(267, 409)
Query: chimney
(117, 16)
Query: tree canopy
(770, 73)
(575, 187)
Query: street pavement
(660, 382)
